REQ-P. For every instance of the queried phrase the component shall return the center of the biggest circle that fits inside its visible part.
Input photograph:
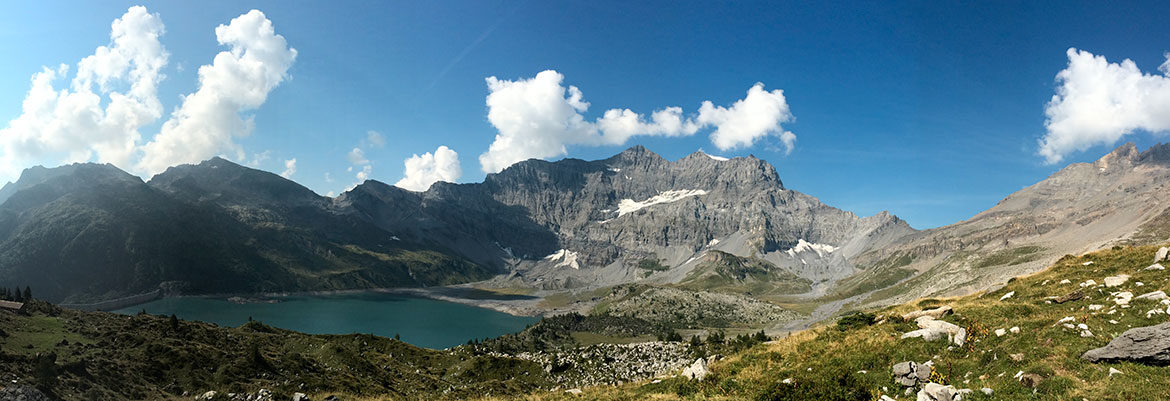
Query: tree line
(16, 294)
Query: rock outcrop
(1149, 345)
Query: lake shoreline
(522, 306)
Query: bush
(855, 319)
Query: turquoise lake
(420, 321)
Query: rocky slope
(1119, 199)
(577, 224)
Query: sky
(932, 110)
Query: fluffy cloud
(290, 168)
(749, 119)
(114, 94)
(237, 80)
(72, 124)
(426, 169)
(539, 117)
(1098, 102)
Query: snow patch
(564, 257)
(803, 246)
(713, 157)
(616, 170)
(630, 205)
(714, 241)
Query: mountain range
(89, 232)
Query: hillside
(1120, 199)
(89, 232)
(1020, 343)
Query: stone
(1155, 266)
(697, 370)
(936, 313)
(1017, 357)
(1113, 371)
(300, 397)
(1031, 380)
(1113, 281)
(909, 374)
(1000, 332)
(1072, 296)
(1008, 295)
(960, 338)
(1148, 345)
(1096, 307)
(927, 334)
(1122, 298)
(331, 398)
(1153, 296)
(574, 391)
(1163, 252)
(936, 392)
(1014, 330)
(987, 391)
(206, 396)
(1088, 283)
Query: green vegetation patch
(1009, 257)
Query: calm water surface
(419, 321)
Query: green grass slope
(853, 361)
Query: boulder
(1149, 345)
(1113, 281)
(909, 374)
(960, 338)
(1163, 252)
(1008, 295)
(697, 370)
(1155, 266)
(1152, 296)
(206, 396)
(936, 392)
(1122, 298)
(300, 397)
(1072, 296)
(927, 334)
(936, 313)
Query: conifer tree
(27, 293)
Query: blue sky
(932, 110)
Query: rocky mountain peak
(1124, 156)
(85, 174)
(220, 179)
(1157, 154)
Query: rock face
(1150, 345)
(22, 393)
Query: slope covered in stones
(1026, 341)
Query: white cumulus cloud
(237, 80)
(426, 169)
(539, 117)
(749, 119)
(290, 168)
(71, 124)
(1098, 102)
